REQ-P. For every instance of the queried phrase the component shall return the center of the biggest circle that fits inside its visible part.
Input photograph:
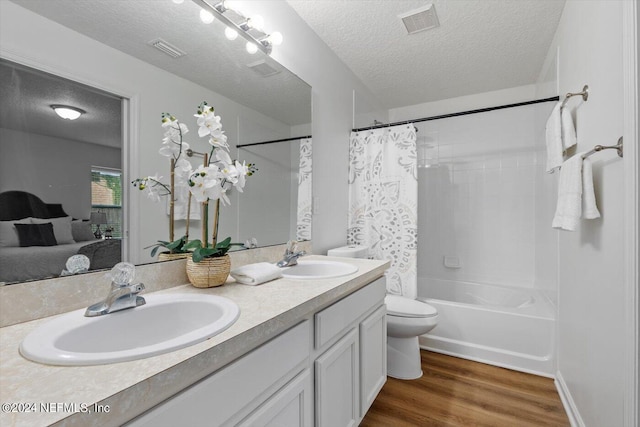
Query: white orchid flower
(243, 170)
(172, 149)
(219, 139)
(204, 183)
(208, 122)
(223, 156)
(182, 171)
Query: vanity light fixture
(249, 28)
(67, 112)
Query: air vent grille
(421, 19)
(167, 48)
(263, 68)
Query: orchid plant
(174, 147)
(212, 180)
(209, 182)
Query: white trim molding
(567, 402)
(630, 45)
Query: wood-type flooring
(459, 392)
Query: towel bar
(584, 93)
(597, 148)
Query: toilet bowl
(407, 319)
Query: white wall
(57, 49)
(54, 169)
(591, 342)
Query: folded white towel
(554, 139)
(255, 274)
(589, 207)
(576, 198)
(569, 138)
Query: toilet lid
(407, 307)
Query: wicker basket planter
(166, 256)
(209, 272)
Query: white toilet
(407, 319)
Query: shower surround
(486, 249)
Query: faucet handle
(291, 247)
(123, 273)
(137, 288)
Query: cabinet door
(290, 407)
(232, 392)
(373, 357)
(337, 383)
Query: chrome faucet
(122, 295)
(291, 255)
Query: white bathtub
(509, 327)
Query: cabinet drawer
(336, 319)
(246, 382)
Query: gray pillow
(9, 234)
(61, 228)
(81, 231)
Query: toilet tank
(349, 251)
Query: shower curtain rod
(295, 138)
(462, 113)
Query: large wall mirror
(76, 174)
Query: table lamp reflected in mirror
(98, 218)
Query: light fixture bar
(242, 29)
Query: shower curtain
(303, 228)
(383, 195)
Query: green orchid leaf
(194, 244)
(154, 251)
(224, 244)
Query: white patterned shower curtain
(303, 229)
(383, 201)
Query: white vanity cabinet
(325, 371)
(350, 337)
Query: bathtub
(509, 327)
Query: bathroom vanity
(303, 352)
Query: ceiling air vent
(421, 19)
(261, 67)
(167, 48)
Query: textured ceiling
(480, 45)
(211, 60)
(26, 96)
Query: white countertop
(33, 394)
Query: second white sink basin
(319, 270)
(165, 323)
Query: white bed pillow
(61, 228)
(9, 234)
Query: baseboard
(567, 401)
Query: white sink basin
(319, 270)
(165, 323)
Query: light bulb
(178, 1)
(206, 16)
(256, 21)
(230, 33)
(275, 38)
(252, 48)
